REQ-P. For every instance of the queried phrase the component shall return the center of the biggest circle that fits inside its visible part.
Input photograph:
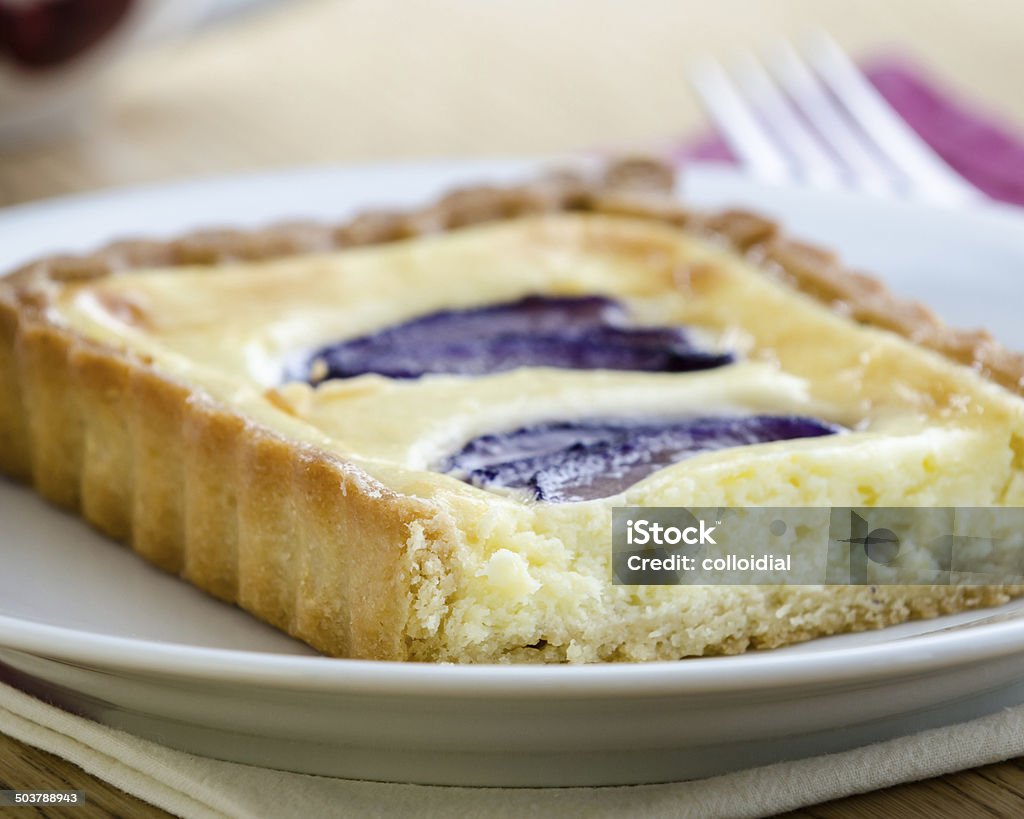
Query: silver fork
(814, 119)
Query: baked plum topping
(561, 461)
(580, 333)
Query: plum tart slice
(403, 438)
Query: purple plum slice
(582, 333)
(560, 461)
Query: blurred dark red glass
(43, 34)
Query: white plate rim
(744, 672)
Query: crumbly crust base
(295, 535)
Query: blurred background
(213, 87)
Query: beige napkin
(193, 786)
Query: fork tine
(738, 123)
(890, 134)
(813, 162)
(821, 110)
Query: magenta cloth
(986, 152)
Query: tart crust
(289, 532)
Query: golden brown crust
(294, 535)
(15, 455)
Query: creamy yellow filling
(235, 329)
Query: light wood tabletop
(320, 82)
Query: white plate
(89, 626)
